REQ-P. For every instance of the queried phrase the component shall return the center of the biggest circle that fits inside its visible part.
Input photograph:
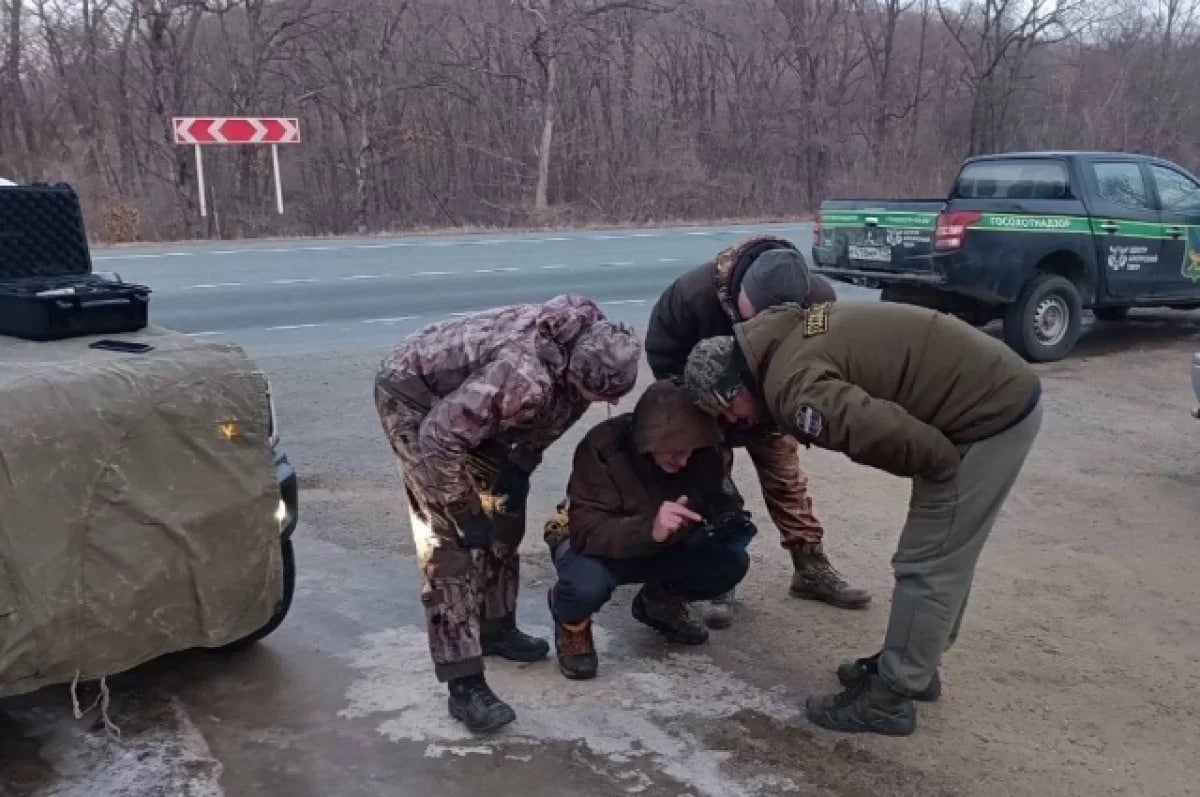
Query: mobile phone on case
(128, 346)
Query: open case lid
(42, 232)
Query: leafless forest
(446, 113)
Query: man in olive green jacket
(918, 394)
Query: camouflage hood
(508, 377)
(604, 359)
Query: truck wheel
(285, 602)
(1110, 313)
(1044, 323)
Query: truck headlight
(272, 426)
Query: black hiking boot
(473, 703)
(718, 612)
(514, 645)
(670, 615)
(871, 706)
(852, 673)
(576, 650)
(816, 579)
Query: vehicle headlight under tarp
(137, 505)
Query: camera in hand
(727, 526)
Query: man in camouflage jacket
(741, 281)
(469, 405)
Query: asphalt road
(321, 294)
(341, 700)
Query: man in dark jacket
(641, 487)
(707, 301)
(918, 394)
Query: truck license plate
(878, 254)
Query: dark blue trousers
(585, 583)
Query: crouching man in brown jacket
(641, 488)
(913, 392)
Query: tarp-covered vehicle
(145, 505)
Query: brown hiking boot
(576, 649)
(670, 615)
(816, 579)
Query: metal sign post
(214, 130)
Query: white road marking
(495, 270)
(363, 277)
(205, 285)
(557, 238)
(284, 327)
(552, 268)
(130, 257)
(292, 281)
(392, 245)
(205, 334)
(616, 263)
(668, 260)
(430, 274)
(390, 320)
(626, 301)
(646, 235)
(703, 232)
(488, 242)
(464, 313)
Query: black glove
(512, 483)
(476, 532)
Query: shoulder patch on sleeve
(810, 422)
(816, 320)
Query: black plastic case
(48, 290)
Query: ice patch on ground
(639, 710)
(168, 756)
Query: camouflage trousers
(784, 485)
(466, 593)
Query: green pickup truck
(1031, 238)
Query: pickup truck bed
(1031, 238)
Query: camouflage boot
(854, 672)
(871, 706)
(473, 703)
(668, 614)
(718, 612)
(816, 579)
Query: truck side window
(1177, 193)
(1122, 184)
(1013, 179)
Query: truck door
(1179, 211)
(1125, 227)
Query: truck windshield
(1013, 179)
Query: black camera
(727, 526)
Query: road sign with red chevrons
(201, 131)
(236, 130)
